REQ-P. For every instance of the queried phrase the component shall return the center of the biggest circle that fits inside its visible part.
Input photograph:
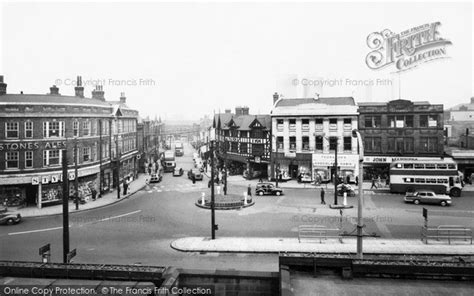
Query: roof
(50, 99)
(463, 107)
(312, 106)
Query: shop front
(324, 171)
(290, 165)
(379, 166)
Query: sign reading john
(407, 49)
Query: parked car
(155, 178)
(267, 189)
(341, 188)
(305, 178)
(177, 172)
(428, 197)
(197, 174)
(9, 218)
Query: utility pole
(117, 160)
(336, 177)
(213, 215)
(225, 166)
(76, 179)
(65, 207)
(361, 193)
(101, 177)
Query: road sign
(71, 255)
(44, 249)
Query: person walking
(125, 186)
(249, 191)
(373, 184)
(323, 202)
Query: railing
(449, 232)
(311, 232)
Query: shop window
(243, 148)
(280, 143)
(373, 121)
(51, 157)
(28, 129)
(305, 141)
(28, 159)
(86, 154)
(292, 124)
(292, 143)
(333, 123)
(305, 125)
(11, 130)
(11, 160)
(332, 143)
(319, 143)
(86, 125)
(347, 143)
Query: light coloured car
(427, 197)
(9, 218)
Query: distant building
(399, 129)
(243, 141)
(35, 129)
(459, 125)
(461, 112)
(306, 134)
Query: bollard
(245, 198)
(203, 198)
(345, 199)
(218, 189)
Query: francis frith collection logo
(407, 49)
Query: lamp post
(213, 213)
(355, 133)
(336, 177)
(117, 161)
(76, 176)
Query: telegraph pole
(335, 173)
(213, 215)
(65, 207)
(76, 179)
(118, 165)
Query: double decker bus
(441, 176)
(178, 149)
(167, 161)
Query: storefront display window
(12, 196)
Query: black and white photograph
(275, 148)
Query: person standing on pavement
(323, 202)
(249, 191)
(125, 186)
(373, 184)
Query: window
(292, 143)
(243, 148)
(419, 166)
(28, 129)
(429, 144)
(347, 143)
(28, 159)
(226, 133)
(256, 133)
(280, 125)
(11, 160)
(86, 125)
(53, 129)
(333, 123)
(408, 145)
(319, 143)
(305, 124)
(420, 180)
(319, 123)
(305, 143)
(408, 180)
(244, 134)
(11, 130)
(373, 121)
(233, 133)
(430, 166)
(441, 166)
(400, 121)
(280, 143)
(51, 157)
(442, 181)
(332, 143)
(347, 123)
(408, 165)
(373, 144)
(391, 144)
(292, 124)
(86, 154)
(430, 180)
(75, 128)
(257, 149)
(428, 120)
(234, 147)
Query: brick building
(35, 129)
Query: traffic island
(225, 202)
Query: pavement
(348, 245)
(106, 199)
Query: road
(141, 228)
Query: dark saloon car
(197, 174)
(267, 189)
(9, 218)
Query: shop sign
(325, 160)
(45, 179)
(256, 141)
(388, 159)
(35, 181)
(374, 159)
(54, 179)
(257, 159)
(72, 176)
(290, 154)
(32, 145)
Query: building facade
(399, 129)
(149, 140)
(36, 131)
(243, 142)
(306, 134)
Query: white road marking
(119, 216)
(37, 230)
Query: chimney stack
(98, 93)
(275, 97)
(3, 86)
(79, 89)
(123, 98)
(54, 90)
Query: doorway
(293, 170)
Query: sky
(181, 61)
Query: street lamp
(355, 133)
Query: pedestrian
(194, 179)
(260, 180)
(249, 190)
(125, 186)
(323, 202)
(373, 184)
(94, 193)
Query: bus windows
(419, 166)
(408, 165)
(420, 180)
(441, 166)
(399, 165)
(451, 181)
(408, 180)
(451, 166)
(442, 181)
(430, 180)
(430, 166)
